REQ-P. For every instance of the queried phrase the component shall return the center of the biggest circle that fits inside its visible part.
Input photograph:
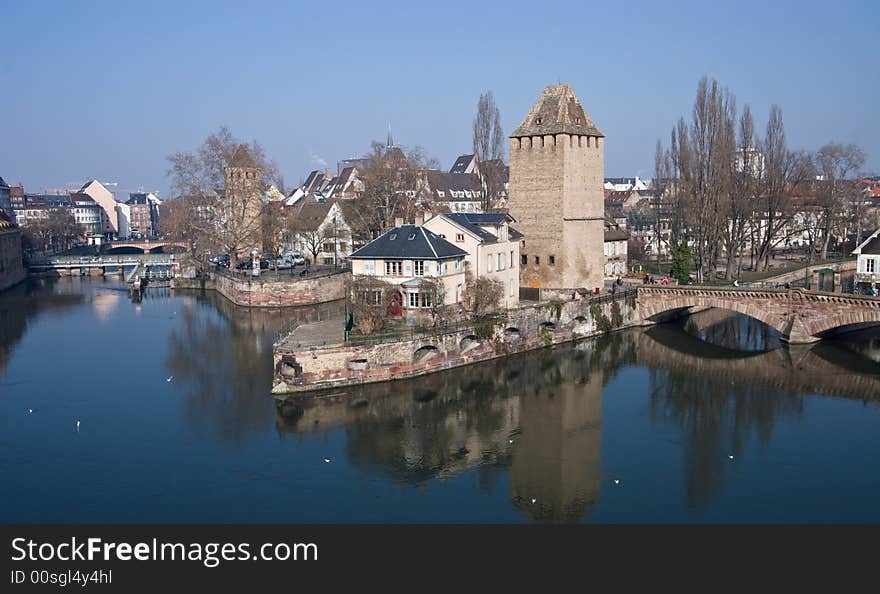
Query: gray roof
(409, 242)
(472, 220)
(3, 183)
(461, 164)
(557, 111)
(872, 247)
(441, 181)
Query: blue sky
(109, 89)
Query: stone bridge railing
(800, 316)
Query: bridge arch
(799, 316)
(660, 308)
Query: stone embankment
(272, 290)
(304, 366)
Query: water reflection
(539, 415)
(23, 303)
(730, 330)
(222, 355)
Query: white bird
(534, 500)
(616, 481)
(170, 377)
(77, 424)
(30, 411)
(510, 441)
(731, 456)
(327, 460)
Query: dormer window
(538, 121)
(411, 236)
(392, 237)
(577, 121)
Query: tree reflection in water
(538, 416)
(223, 355)
(20, 304)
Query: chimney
(327, 176)
(398, 221)
(419, 220)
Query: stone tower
(557, 170)
(242, 199)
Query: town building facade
(868, 265)
(12, 269)
(407, 256)
(492, 247)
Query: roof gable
(409, 242)
(242, 158)
(557, 111)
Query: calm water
(177, 424)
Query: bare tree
(836, 163)
(782, 170)
(313, 239)
(392, 180)
(745, 178)
(370, 299)
(488, 146)
(229, 218)
(702, 162)
(482, 294)
(203, 171)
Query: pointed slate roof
(409, 242)
(242, 158)
(557, 111)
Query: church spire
(390, 142)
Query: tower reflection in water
(538, 416)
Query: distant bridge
(799, 316)
(101, 262)
(146, 246)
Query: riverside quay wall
(300, 368)
(270, 290)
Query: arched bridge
(800, 316)
(147, 246)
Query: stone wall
(526, 328)
(12, 269)
(282, 293)
(273, 293)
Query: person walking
(665, 280)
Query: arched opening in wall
(289, 369)
(425, 353)
(125, 249)
(849, 329)
(548, 325)
(357, 365)
(580, 320)
(512, 333)
(723, 328)
(469, 342)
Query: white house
(319, 230)
(408, 254)
(868, 265)
(105, 200)
(492, 246)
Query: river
(709, 420)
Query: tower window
(577, 121)
(538, 121)
(552, 260)
(537, 260)
(525, 259)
